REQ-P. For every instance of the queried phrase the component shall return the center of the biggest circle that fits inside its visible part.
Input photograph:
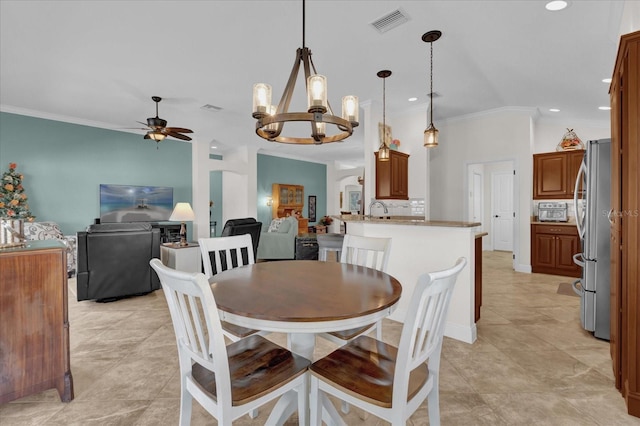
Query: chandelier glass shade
(271, 119)
(431, 133)
(383, 151)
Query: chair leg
(344, 407)
(303, 401)
(433, 401)
(186, 403)
(315, 408)
(254, 413)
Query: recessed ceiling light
(606, 80)
(556, 5)
(604, 108)
(554, 110)
(413, 99)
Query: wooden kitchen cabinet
(552, 250)
(625, 228)
(554, 174)
(288, 199)
(392, 177)
(34, 330)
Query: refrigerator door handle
(579, 220)
(578, 259)
(577, 287)
(609, 216)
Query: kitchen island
(419, 246)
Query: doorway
(491, 192)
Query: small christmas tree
(13, 200)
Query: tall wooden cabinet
(34, 329)
(625, 218)
(288, 199)
(392, 177)
(554, 174)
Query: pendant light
(431, 133)
(383, 151)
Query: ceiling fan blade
(178, 129)
(144, 124)
(176, 135)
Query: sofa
(279, 241)
(247, 225)
(34, 231)
(113, 261)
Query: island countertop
(405, 220)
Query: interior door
(502, 212)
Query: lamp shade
(182, 212)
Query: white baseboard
(462, 333)
(523, 268)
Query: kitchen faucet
(374, 202)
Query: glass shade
(321, 129)
(157, 136)
(431, 136)
(350, 108)
(273, 127)
(317, 93)
(261, 99)
(383, 153)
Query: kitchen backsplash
(410, 207)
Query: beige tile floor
(532, 364)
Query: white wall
(548, 134)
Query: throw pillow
(285, 227)
(275, 224)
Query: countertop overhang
(405, 220)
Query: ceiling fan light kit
(271, 119)
(158, 127)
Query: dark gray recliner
(247, 225)
(113, 261)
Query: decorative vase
(11, 233)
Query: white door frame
(516, 203)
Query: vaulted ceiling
(99, 62)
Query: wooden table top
(304, 291)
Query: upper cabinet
(555, 173)
(392, 177)
(286, 199)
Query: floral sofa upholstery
(51, 230)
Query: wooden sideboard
(34, 329)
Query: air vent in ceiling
(390, 21)
(210, 107)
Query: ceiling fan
(159, 129)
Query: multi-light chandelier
(271, 119)
(431, 133)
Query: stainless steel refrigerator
(592, 205)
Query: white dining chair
(371, 252)
(227, 381)
(389, 382)
(223, 253)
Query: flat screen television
(132, 203)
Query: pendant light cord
(384, 110)
(303, 23)
(431, 87)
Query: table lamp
(182, 213)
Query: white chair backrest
(226, 250)
(371, 252)
(194, 314)
(423, 330)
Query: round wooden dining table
(304, 297)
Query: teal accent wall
(313, 176)
(63, 165)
